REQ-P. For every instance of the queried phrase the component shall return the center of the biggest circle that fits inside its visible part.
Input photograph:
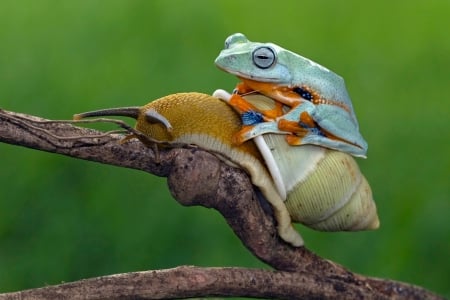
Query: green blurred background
(63, 219)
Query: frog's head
(251, 60)
(265, 62)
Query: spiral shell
(325, 189)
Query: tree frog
(319, 112)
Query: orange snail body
(203, 120)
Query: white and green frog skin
(321, 112)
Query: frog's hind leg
(297, 129)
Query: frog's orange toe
(242, 135)
(292, 127)
(293, 140)
(242, 88)
(307, 120)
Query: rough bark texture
(300, 274)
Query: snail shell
(324, 188)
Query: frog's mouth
(268, 76)
(256, 78)
(244, 76)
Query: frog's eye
(263, 57)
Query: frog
(319, 108)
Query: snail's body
(310, 184)
(209, 123)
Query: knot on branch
(194, 178)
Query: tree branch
(186, 282)
(301, 274)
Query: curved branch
(188, 281)
(225, 189)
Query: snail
(321, 188)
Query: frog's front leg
(240, 105)
(251, 117)
(243, 106)
(253, 120)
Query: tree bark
(300, 274)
